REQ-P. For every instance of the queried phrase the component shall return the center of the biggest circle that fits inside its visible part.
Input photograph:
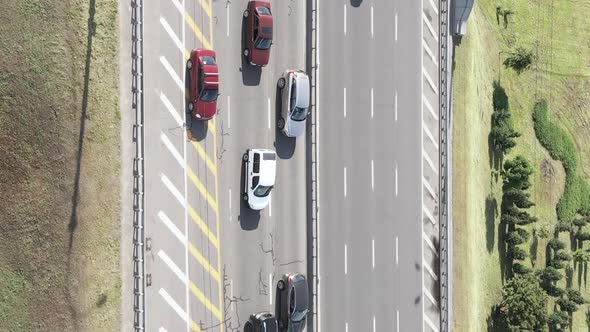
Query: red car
(204, 84)
(258, 32)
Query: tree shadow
(284, 146)
(356, 3)
(491, 214)
(533, 250)
(495, 320)
(248, 218)
(495, 156)
(502, 252)
(499, 102)
(250, 74)
(73, 223)
(569, 276)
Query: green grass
(54, 277)
(557, 31)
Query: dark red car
(258, 32)
(203, 84)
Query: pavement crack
(270, 251)
(231, 317)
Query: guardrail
(444, 125)
(138, 166)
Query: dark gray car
(261, 322)
(292, 302)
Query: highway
(210, 260)
(371, 156)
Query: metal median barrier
(445, 159)
(138, 166)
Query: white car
(260, 167)
(295, 94)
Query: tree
(563, 255)
(500, 116)
(519, 59)
(517, 197)
(516, 173)
(563, 226)
(520, 268)
(556, 244)
(559, 319)
(523, 303)
(575, 296)
(512, 215)
(580, 222)
(514, 238)
(515, 252)
(583, 235)
(581, 255)
(550, 274)
(503, 136)
(557, 264)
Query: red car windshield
(262, 43)
(208, 95)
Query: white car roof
(268, 166)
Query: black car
(261, 322)
(292, 302)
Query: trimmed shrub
(550, 274)
(563, 226)
(516, 173)
(580, 222)
(519, 268)
(515, 252)
(556, 244)
(563, 255)
(514, 238)
(517, 197)
(557, 264)
(583, 235)
(523, 233)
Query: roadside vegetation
(59, 165)
(522, 167)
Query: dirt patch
(59, 165)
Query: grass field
(558, 33)
(59, 165)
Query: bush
(557, 264)
(515, 252)
(519, 59)
(518, 268)
(517, 197)
(516, 173)
(550, 274)
(583, 235)
(560, 318)
(580, 222)
(576, 195)
(556, 244)
(513, 215)
(523, 233)
(553, 290)
(563, 255)
(563, 226)
(524, 303)
(514, 238)
(503, 136)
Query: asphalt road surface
(371, 157)
(211, 261)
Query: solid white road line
(231, 292)
(171, 265)
(227, 17)
(344, 102)
(374, 326)
(179, 7)
(171, 110)
(397, 320)
(395, 180)
(268, 111)
(429, 107)
(171, 72)
(173, 229)
(173, 189)
(270, 288)
(429, 52)
(172, 35)
(372, 103)
(395, 106)
(373, 252)
(344, 181)
(396, 251)
(430, 81)
(164, 294)
(372, 22)
(429, 26)
(172, 150)
(372, 176)
(345, 259)
(395, 26)
(228, 113)
(345, 19)
(270, 206)
(230, 213)
(429, 134)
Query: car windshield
(298, 315)
(270, 325)
(207, 60)
(262, 43)
(262, 191)
(263, 10)
(208, 95)
(299, 114)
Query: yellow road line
(217, 214)
(201, 187)
(206, 7)
(197, 31)
(211, 127)
(210, 306)
(194, 326)
(203, 226)
(205, 157)
(203, 261)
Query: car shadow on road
(356, 3)
(248, 218)
(284, 146)
(250, 74)
(196, 130)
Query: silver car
(295, 94)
